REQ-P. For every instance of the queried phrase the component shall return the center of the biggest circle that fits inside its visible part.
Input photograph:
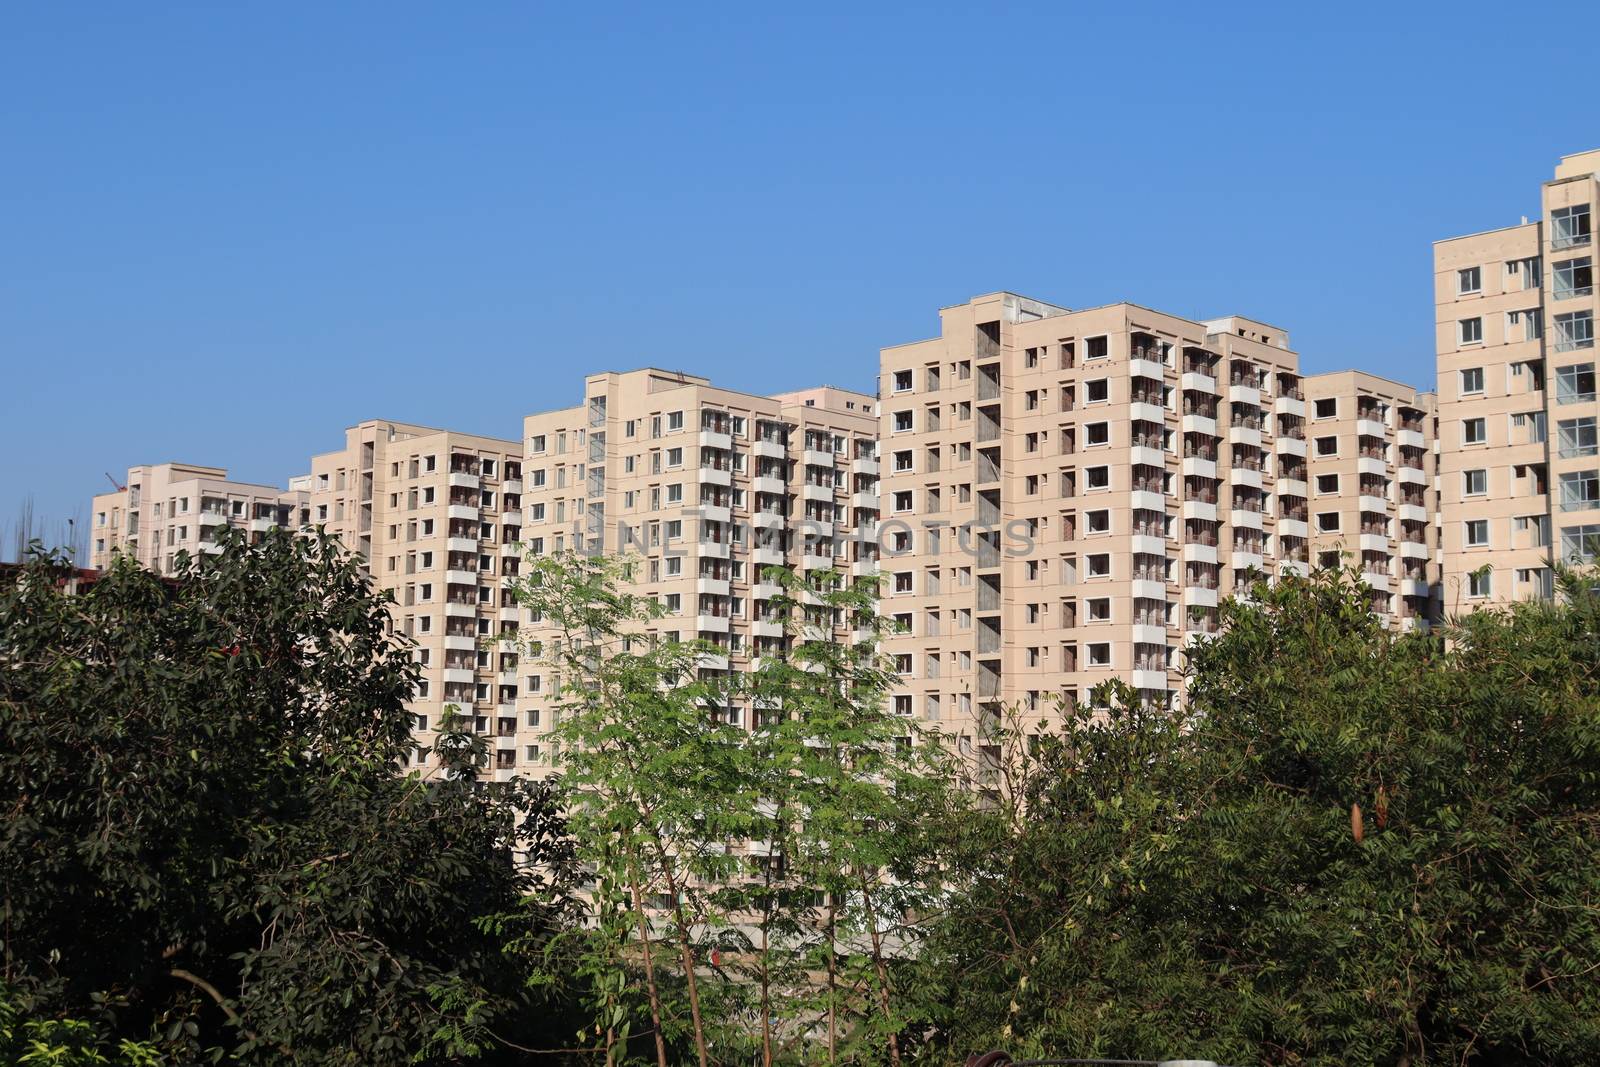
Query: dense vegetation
(1349, 847)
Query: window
(1096, 347)
(1327, 522)
(1098, 565)
(1470, 331)
(1327, 483)
(902, 460)
(902, 500)
(902, 581)
(1478, 584)
(1572, 278)
(902, 422)
(536, 444)
(674, 421)
(1580, 543)
(1577, 437)
(902, 381)
(1327, 408)
(1580, 490)
(1575, 384)
(1097, 433)
(1472, 380)
(1474, 431)
(1100, 654)
(1327, 446)
(1097, 477)
(1569, 226)
(1574, 330)
(675, 457)
(1097, 390)
(1099, 521)
(1477, 532)
(1469, 280)
(1099, 609)
(1475, 482)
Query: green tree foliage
(1353, 848)
(754, 882)
(208, 848)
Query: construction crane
(118, 486)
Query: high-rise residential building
(1372, 498)
(1519, 465)
(166, 508)
(436, 514)
(1077, 491)
(708, 486)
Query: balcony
(766, 628)
(511, 548)
(1195, 596)
(1246, 477)
(867, 501)
(1375, 504)
(511, 485)
(713, 549)
(1141, 411)
(1294, 566)
(1292, 528)
(1371, 428)
(1243, 559)
(769, 557)
(1144, 634)
(768, 449)
(1416, 587)
(864, 466)
(460, 643)
(767, 520)
(812, 491)
(1410, 513)
(463, 480)
(1372, 465)
(711, 586)
(1148, 545)
(1291, 446)
(1377, 579)
(460, 609)
(468, 512)
(715, 513)
(512, 518)
(1139, 367)
(813, 457)
(1250, 520)
(766, 591)
(1289, 405)
(715, 476)
(1194, 552)
(1147, 589)
(1198, 382)
(1409, 438)
(713, 624)
(468, 545)
(1244, 394)
(1199, 509)
(1244, 435)
(715, 439)
(213, 518)
(1411, 476)
(864, 568)
(1196, 467)
(1413, 550)
(1201, 424)
(1145, 500)
(459, 676)
(1290, 487)
(460, 577)
(1373, 542)
(766, 483)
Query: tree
(209, 846)
(1354, 847)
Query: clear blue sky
(220, 221)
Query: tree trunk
(649, 963)
(881, 969)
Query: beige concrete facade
(436, 514)
(1080, 488)
(708, 485)
(1519, 477)
(166, 508)
(1373, 504)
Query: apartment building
(708, 485)
(1519, 466)
(1077, 491)
(1372, 497)
(437, 515)
(165, 508)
